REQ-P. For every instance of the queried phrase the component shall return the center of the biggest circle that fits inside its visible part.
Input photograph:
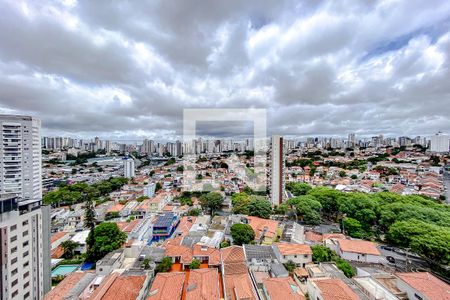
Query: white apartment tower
(24, 223)
(20, 157)
(128, 167)
(25, 249)
(440, 143)
(277, 170)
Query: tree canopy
(211, 201)
(103, 239)
(242, 234)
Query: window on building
(14, 272)
(14, 260)
(13, 249)
(25, 244)
(13, 238)
(15, 282)
(27, 294)
(26, 264)
(25, 233)
(26, 274)
(27, 284)
(12, 228)
(14, 294)
(25, 254)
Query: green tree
(89, 215)
(323, 254)
(225, 244)
(345, 267)
(195, 264)
(242, 234)
(290, 266)
(158, 186)
(103, 239)
(68, 248)
(353, 228)
(260, 207)
(195, 212)
(307, 208)
(164, 266)
(298, 188)
(211, 201)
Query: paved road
(404, 262)
(447, 185)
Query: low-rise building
(423, 285)
(300, 254)
(355, 250)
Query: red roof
(63, 288)
(57, 236)
(358, 246)
(124, 287)
(293, 249)
(203, 284)
(332, 289)
(167, 286)
(430, 286)
(283, 289)
(259, 224)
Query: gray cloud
(128, 69)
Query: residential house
(423, 286)
(237, 284)
(203, 284)
(300, 254)
(282, 289)
(355, 250)
(266, 230)
(330, 289)
(167, 286)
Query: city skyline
(82, 72)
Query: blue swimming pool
(64, 270)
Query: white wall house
(355, 250)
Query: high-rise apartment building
(440, 142)
(25, 248)
(24, 223)
(277, 170)
(20, 157)
(128, 167)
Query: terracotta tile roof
(212, 253)
(57, 236)
(173, 241)
(335, 289)
(430, 286)
(282, 289)
(232, 254)
(258, 225)
(183, 252)
(116, 208)
(333, 236)
(167, 286)
(185, 225)
(63, 288)
(238, 286)
(293, 249)
(203, 284)
(124, 287)
(104, 286)
(313, 237)
(358, 246)
(57, 252)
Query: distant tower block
(277, 170)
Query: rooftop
(358, 246)
(282, 289)
(167, 286)
(430, 286)
(332, 289)
(293, 249)
(203, 284)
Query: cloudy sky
(127, 69)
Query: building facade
(25, 250)
(20, 157)
(277, 170)
(440, 143)
(128, 168)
